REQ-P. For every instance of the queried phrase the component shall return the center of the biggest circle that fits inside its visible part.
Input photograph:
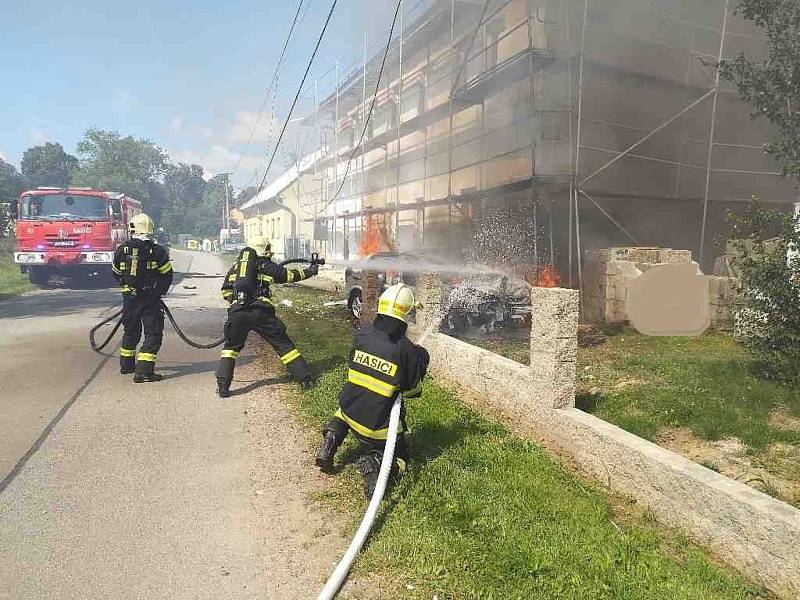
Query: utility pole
(227, 220)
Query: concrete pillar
(429, 291)
(554, 343)
(372, 290)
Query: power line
(369, 114)
(272, 83)
(297, 95)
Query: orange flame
(548, 277)
(373, 238)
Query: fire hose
(339, 574)
(314, 260)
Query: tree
(10, 182)
(10, 188)
(772, 86)
(184, 186)
(47, 165)
(769, 271)
(109, 161)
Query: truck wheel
(38, 275)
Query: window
(63, 207)
(116, 210)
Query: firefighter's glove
(312, 269)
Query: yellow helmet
(397, 302)
(261, 245)
(142, 224)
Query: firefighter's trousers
(374, 447)
(138, 314)
(262, 320)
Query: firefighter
(382, 362)
(247, 289)
(145, 272)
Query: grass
(483, 514)
(11, 280)
(706, 384)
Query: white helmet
(261, 245)
(142, 224)
(397, 302)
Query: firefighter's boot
(127, 364)
(369, 466)
(223, 388)
(145, 372)
(326, 452)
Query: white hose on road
(343, 568)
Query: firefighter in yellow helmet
(144, 270)
(247, 288)
(382, 362)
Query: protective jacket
(381, 363)
(145, 272)
(255, 311)
(267, 273)
(143, 268)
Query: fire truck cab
(70, 231)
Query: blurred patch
(670, 299)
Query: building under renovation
(529, 132)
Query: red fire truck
(70, 231)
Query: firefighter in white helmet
(247, 288)
(144, 270)
(382, 362)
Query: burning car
(483, 304)
(391, 267)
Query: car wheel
(355, 306)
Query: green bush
(769, 268)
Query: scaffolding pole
(532, 189)
(399, 121)
(712, 132)
(573, 173)
(335, 154)
(364, 119)
(450, 128)
(578, 151)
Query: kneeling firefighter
(145, 272)
(247, 289)
(382, 362)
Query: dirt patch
(783, 419)
(776, 473)
(301, 541)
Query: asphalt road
(115, 490)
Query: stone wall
(751, 531)
(609, 274)
(550, 377)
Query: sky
(189, 76)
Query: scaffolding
(587, 111)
